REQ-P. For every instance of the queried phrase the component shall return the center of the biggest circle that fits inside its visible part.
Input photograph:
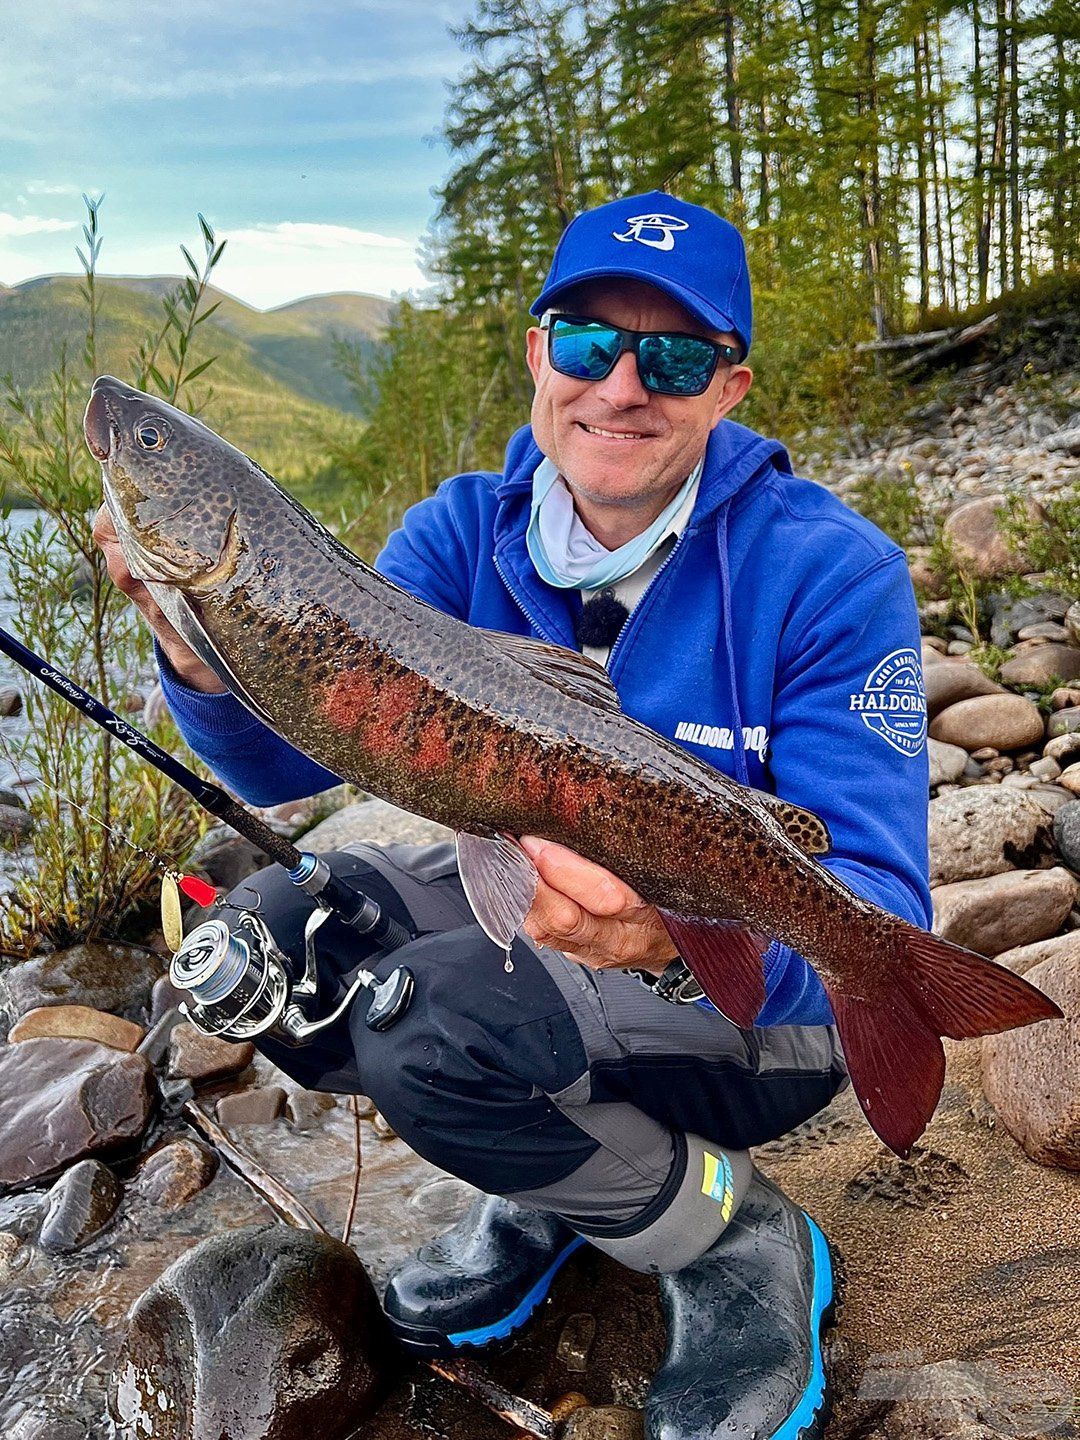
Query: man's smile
(616, 434)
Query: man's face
(652, 442)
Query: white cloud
(269, 265)
(254, 76)
(46, 187)
(13, 225)
(289, 235)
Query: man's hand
(591, 915)
(191, 670)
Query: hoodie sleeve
(848, 742)
(426, 557)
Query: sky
(305, 130)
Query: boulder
(947, 763)
(61, 1100)
(264, 1333)
(1065, 749)
(1064, 722)
(202, 1058)
(1025, 957)
(117, 978)
(16, 822)
(1031, 1076)
(1069, 779)
(985, 830)
(948, 684)
(1004, 911)
(174, 1173)
(1006, 722)
(1042, 664)
(376, 822)
(77, 1022)
(80, 1205)
(978, 542)
(1067, 834)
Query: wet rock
(948, 684)
(1030, 1075)
(306, 1109)
(202, 1058)
(80, 1205)
(947, 763)
(957, 1400)
(980, 831)
(978, 541)
(77, 1022)
(117, 978)
(175, 1173)
(1042, 664)
(165, 997)
(605, 1422)
(1007, 722)
(1067, 834)
(383, 1129)
(1064, 722)
(1025, 957)
(1003, 911)
(261, 1105)
(575, 1342)
(15, 822)
(267, 1333)
(61, 1100)
(11, 700)
(374, 821)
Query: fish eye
(152, 434)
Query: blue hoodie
(779, 642)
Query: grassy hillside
(275, 386)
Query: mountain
(274, 377)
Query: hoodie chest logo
(892, 703)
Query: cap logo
(644, 229)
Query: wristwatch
(676, 985)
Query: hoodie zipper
(630, 618)
(533, 622)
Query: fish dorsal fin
(806, 829)
(575, 675)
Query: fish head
(172, 487)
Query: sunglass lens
(582, 349)
(676, 364)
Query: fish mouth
(102, 434)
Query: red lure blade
(198, 890)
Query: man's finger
(594, 888)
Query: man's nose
(623, 388)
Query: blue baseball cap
(685, 250)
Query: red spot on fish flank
(395, 701)
(569, 798)
(348, 701)
(434, 749)
(488, 759)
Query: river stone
(1012, 614)
(175, 1173)
(1003, 911)
(307, 1109)
(15, 822)
(1065, 697)
(985, 830)
(78, 1022)
(1042, 664)
(1030, 1075)
(604, 1422)
(1050, 797)
(1072, 622)
(376, 822)
(1024, 957)
(1007, 722)
(1064, 722)
(117, 978)
(1067, 834)
(947, 763)
(202, 1058)
(80, 1205)
(978, 543)
(11, 700)
(948, 684)
(1067, 441)
(261, 1105)
(263, 1333)
(1065, 749)
(1069, 779)
(1045, 630)
(61, 1100)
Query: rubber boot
(744, 1329)
(480, 1281)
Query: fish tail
(892, 1037)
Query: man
(588, 1089)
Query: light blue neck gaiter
(563, 551)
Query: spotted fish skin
(491, 734)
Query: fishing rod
(239, 981)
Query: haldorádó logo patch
(893, 702)
(656, 231)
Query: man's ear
(534, 350)
(732, 391)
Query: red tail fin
(928, 987)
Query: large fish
(499, 736)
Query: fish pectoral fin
(575, 675)
(806, 829)
(499, 881)
(725, 960)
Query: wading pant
(569, 1090)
